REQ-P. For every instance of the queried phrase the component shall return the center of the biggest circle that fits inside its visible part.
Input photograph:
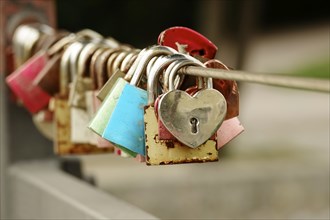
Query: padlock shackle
(121, 59)
(24, 38)
(102, 62)
(152, 63)
(73, 60)
(149, 54)
(88, 33)
(129, 60)
(65, 76)
(202, 82)
(131, 70)
(118, 60)
(61, 44)
(169, 70)
(159, 65)
(92, 66)
(85, 54)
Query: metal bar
(281, 80)
(39, 190)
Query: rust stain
(169, 144)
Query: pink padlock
(228, 130)
(21, 83)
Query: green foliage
(319, 69)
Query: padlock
(170, 76)
(187, 40)
(161, 152)
(101, 118)
(81, 83)
(76, 101)
(63, 144)
(84, 85)
(192, 119)
(231, 127)
(161, 63)
(43, 119)
(82, 112)
(163, 133)
(125, 127)
(21, 83)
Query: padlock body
(21, 83)
(99, 122)
(93, 104)
(101, 118)
(161, 152)
(228, 130)
(104, 91)
(62, 142)
(126, 125)
(79, 131)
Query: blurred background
(278, 168)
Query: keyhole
(194, 125)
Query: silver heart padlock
(193, 119)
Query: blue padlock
(126, 125)
(100, 120)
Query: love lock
(163, 133)
(193, 119)
(192, 42)
(172, 151)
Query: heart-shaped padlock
(192, 119)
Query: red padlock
(192, 42)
